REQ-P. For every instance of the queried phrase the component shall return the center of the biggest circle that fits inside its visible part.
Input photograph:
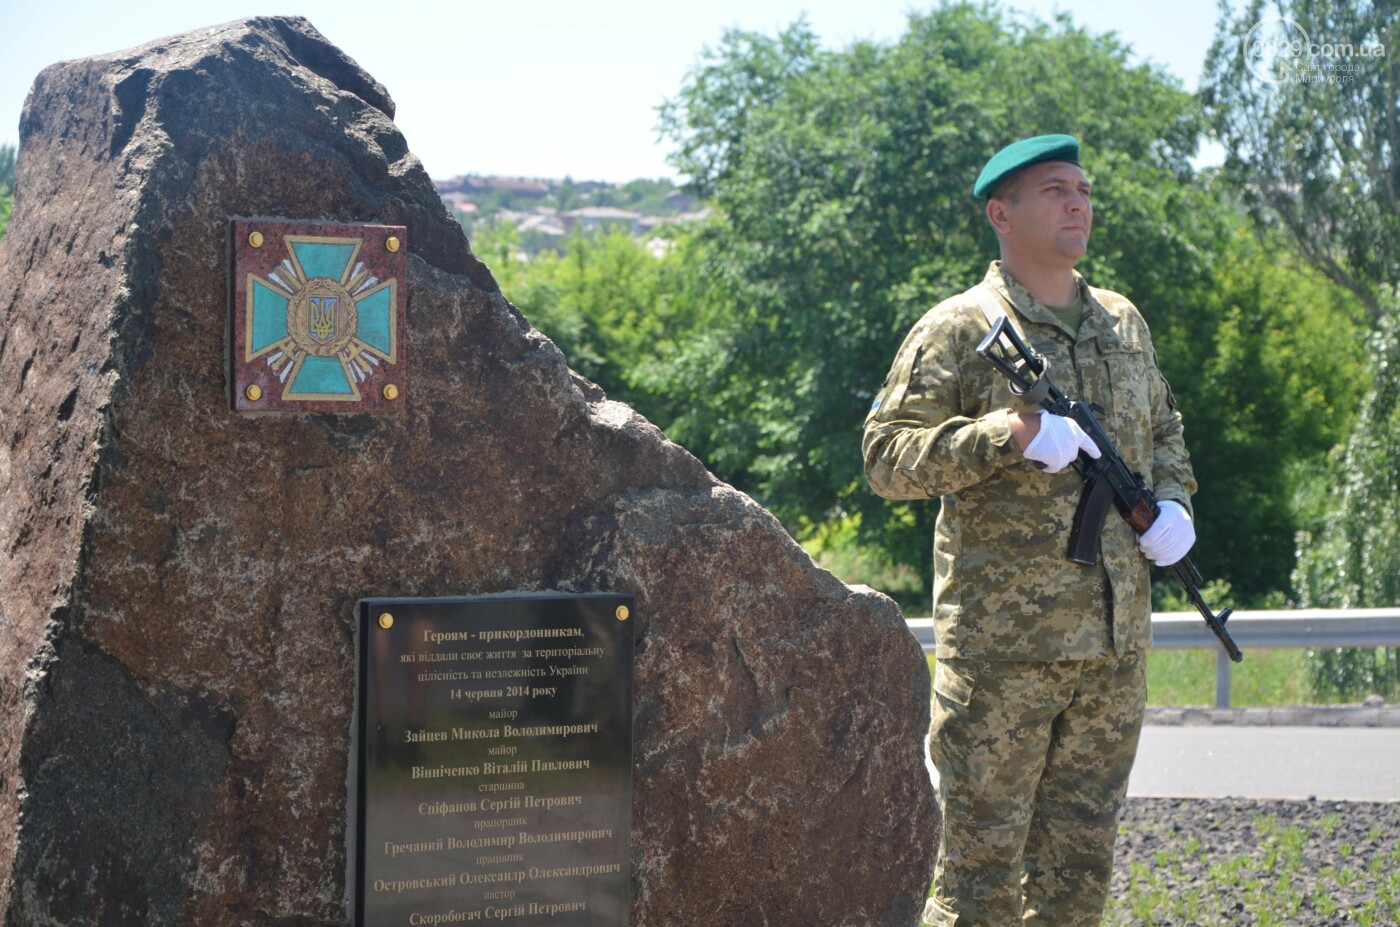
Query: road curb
(1289, 716)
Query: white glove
(1059, 442)
(1170, 536)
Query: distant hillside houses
(520, 186)
(533, 205)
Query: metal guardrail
(1311, 627)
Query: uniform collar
(1096, 320)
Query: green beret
(1023, 154)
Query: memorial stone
(181, 573)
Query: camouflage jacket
(1003, 588)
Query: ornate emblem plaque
(318, 317)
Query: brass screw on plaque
(386, 621)
(622, 613)
(391, 392)
(392, 243)
(253, 392)
(255, 239)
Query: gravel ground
(1184, 862)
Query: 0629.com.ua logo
(1278, 50)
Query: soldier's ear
(996, 215)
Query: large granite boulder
(176, 663)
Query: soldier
(1040, 684)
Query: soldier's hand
(1170, 536)
(1058, 443)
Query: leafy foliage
(7, 185)
(1267, 365)
(7, 168)
(642, 195)
(1352, 558)
(607, 302)
(843, 179)
(1317, 158)
(841, 183)
(844, 182)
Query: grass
(1266, 679)
(1273, 882)
(1177, 678)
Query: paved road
(1357, 764)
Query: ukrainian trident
(318, 317)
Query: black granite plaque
(493, 774)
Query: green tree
(1274, 389)
(7, 168)
(841, 181)
(566, 195)
(843, 184)
(1315, 156)
(7, 185)
(1351, 558)
(1318, 158)
(647, 196)
(498, 244)
(606, 301)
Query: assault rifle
(1107, 479)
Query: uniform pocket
(953, 682)
(1127, 380)
(938, 914)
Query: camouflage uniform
(1040, 685)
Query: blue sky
(542, 88)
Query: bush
(1351, 557)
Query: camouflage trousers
(1033, 760)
